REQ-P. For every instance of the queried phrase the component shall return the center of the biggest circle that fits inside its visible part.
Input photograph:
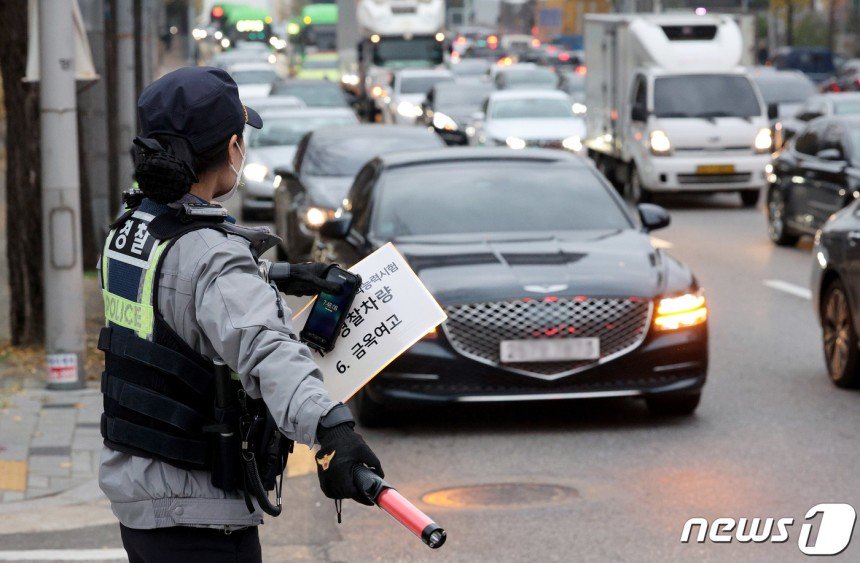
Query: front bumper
(432, 372)
(678, 172)
(258, 196)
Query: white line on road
(65, 555)
(790, 288)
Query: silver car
(274, 146)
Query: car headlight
(579, 108)
(350, 79)
(681, 311)
(515, 143)
(408, 109)
(255, 171)
(314, 217)
(442, 121)
(763, 141)
(659, 143)
(573, 143)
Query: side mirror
(772, 111)
(639, 113)
(832, 155)
(336, 228)
(287, 178)
(653, 217)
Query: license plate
(715, 169)
(516, 351)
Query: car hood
(273, 157)
(535, 129)
(718, 133)
(327, 191)
(594, 263)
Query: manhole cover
(500, 494)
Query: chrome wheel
(838, 334)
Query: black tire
(839, 337)
(749, 198)
(673, 404)
(634, 192)
(777, 230)
(368, 412)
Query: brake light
(564, 57)
(581, 70)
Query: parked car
(326, 160)
(815, 176)
(526, 78)
(819, 105)
(815, 62)
(529, 118)
(274, 146)
(450, 108)
(552, 289)
(836, 293)
(409, 87)
(314, 93)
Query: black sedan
(552, 289)
(450, 108)
(324, 166)
(836, 294)
(814, 176)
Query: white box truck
(669, 107)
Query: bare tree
(23, 194)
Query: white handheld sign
(391, 312)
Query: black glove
(307, 278)
(341, 449)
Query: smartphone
(329, 311)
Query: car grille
(476, 330)
(714, 178)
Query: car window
(313, 95)
(492, 196)
(285, 131)
(640, 93)
(809, 141)
(421, 84)
(345, 156)
(846, 107)
(705, 95)
(852, 136)
(832, 139)
(531, 108)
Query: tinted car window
(491, 196)
(781, 89)
(530, 108)
(536, 76)
(313, 95)
(290, 130)
(420, 84)
(702, 95)
(344, 157)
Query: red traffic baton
(398, 507)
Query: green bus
(318, 27)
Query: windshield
(394, 50)
(313, 95)
(473, 67)
(785, 90)
(460, 95)
(242, 77)
(345, 157)
(421, 84)
(539, 76)
(705, 95)
(846, 108)
(530, 108)
(290, 130)
(492, 197)
(319, 64)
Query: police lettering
(122, 236)
(140, 237)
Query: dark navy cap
(200, 104)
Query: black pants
(182, 544)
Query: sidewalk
(49, 442)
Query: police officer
(183, 289)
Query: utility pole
(61, 209)
(126, 97)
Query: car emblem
(546, 288)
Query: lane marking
(660, 243)
(790, 288)
(65, 555)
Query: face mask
(225, 197)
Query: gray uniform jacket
(211, 293)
